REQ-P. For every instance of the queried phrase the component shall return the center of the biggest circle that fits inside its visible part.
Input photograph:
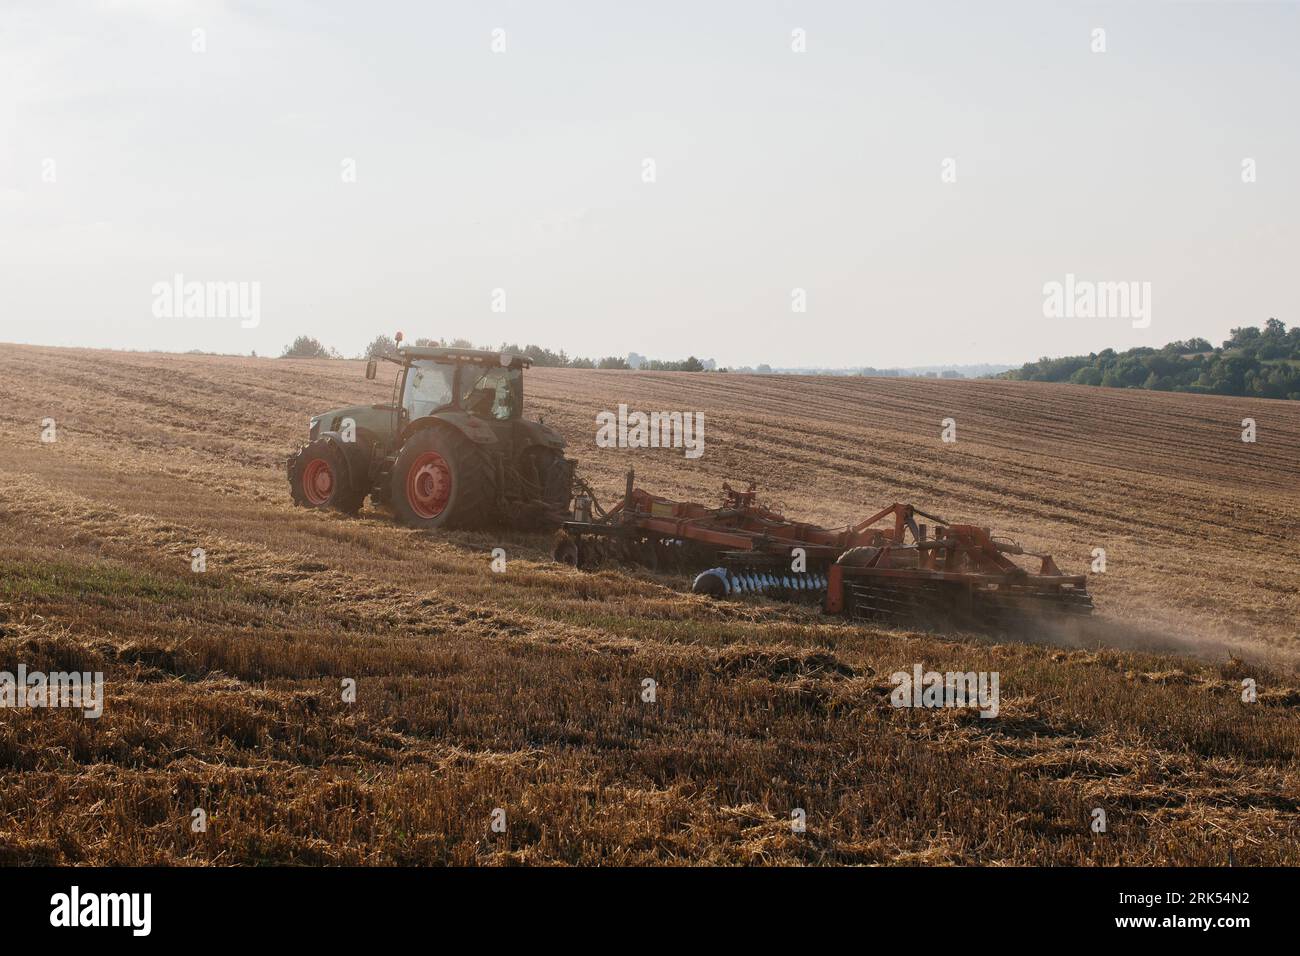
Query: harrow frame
(892, 571)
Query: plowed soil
(522, 691)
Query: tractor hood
(376, 420)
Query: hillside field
(521, 691)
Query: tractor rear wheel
(548, 474)
(320, 479)
(546, 480)
(440, 480)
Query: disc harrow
(887, 567)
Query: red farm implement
(886, 566)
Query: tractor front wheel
(440, 480)
(319, 478)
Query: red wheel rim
(318, 481)
(428, 485)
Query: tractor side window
(494, 394)
(428, 388)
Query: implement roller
(886, 567)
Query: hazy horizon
(918, 171)
(358, 355)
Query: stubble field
(521, 691)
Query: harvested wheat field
(522, 690)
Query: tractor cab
(488, 386)
(495, 393)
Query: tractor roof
(478, 356)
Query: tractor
(451, 450)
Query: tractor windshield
(492, 392)
(429, 387)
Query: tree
(1190, 347)
(1242, 337)
(545, 357)
(381, 346)
(1251, 362)
(611, 361)
(304, 346)
(691, 364)
(1273, 342)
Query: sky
(828, 184)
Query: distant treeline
(1263, 363)
(304, 346)
(910, 373)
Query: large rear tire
(320, 479)
(440, 480)
(547, 478)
